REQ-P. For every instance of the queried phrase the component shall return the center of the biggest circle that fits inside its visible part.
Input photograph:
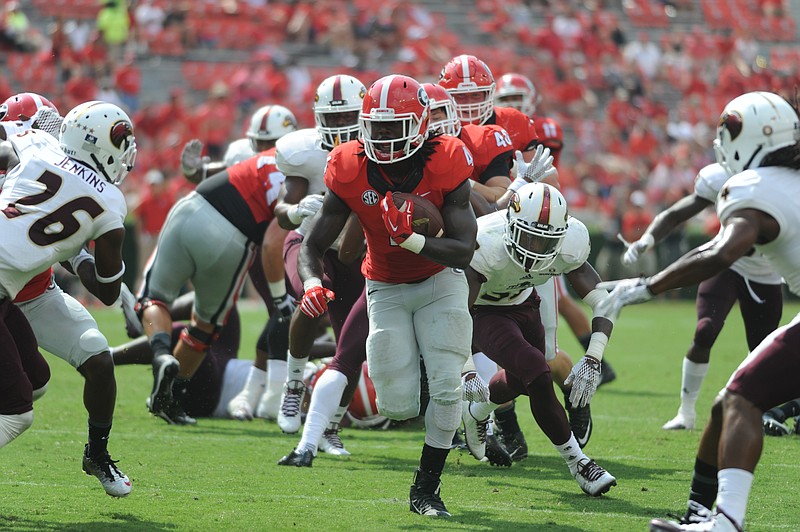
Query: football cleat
(680, 422)
(496, 454)
(580, 421)
(331, 443)
(114, 481)
(297, 458)
(516, 446)
(474, 431)
(289, 415)
(133, 325)
(773, 426)
(165, 369)
(607, 373)
(424, 496)
(718, 522)
(593, 479)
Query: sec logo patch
(370, 197)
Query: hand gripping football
(427, 220)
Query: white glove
(623, 292)
(307, 206)
(191, 157)
(540, 167)
(584, 378)
(473, 389)
(635, 249)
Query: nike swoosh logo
(425, 194)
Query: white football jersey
(756, 267)
(300, 154)
(776, 191)
(238, 151)
(507, 283)
(51, 207)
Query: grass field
(222, 474)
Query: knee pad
(705, 334)
(198, 339)
(39, 392)
(12, 425)
(93, 342)
(446, 416)
(140, 307)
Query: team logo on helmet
(289, 121)
(369, 197)
(120, 132)
(732, 121)
(362, 93)
(514, 203)
(422, 96)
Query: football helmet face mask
(100, 135)
(517, 91)
(337, 103)
(536, 223)
(270, 122)
(444, 118)
(472, 86)
(751, 127)
(23, 107)
(394, 119)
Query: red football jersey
(487, 143)
(551, 135)
(519, 126)
(258, 180)
(346, 176)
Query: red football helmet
(23, 107)
(551, 135)
(394, 119)
(363, 410)
(440, 99)
(517, 91)
(472, 86)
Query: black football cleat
(299, 459)
(424, 497)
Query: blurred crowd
(637, 97)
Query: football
(427, 220)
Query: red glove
(315, 301)
(397, 222)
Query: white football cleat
(331, 443)
(289, 415)
(593, 479)
(114, 481)
(474, 431)
(680, 422)
(719, 522)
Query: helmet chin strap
(100, 167)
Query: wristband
(517, 184)
(414, 243)
(115, 277)
(277, 289)
(310, 283)
(597, 345)
(293, 216)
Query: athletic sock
(571, 453)
(98, 438)
(734, 490)
(704, 484)
(691, 381)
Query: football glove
(191, 157)
(307, 206)
(634, 250)
(315, 301)
(285, 306)
(397, 222)
(584, 378)
(540, 167)
(622, 293)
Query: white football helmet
(270, 122)
(751, 127)
(100, 135)
(337, 103)
(536, 223)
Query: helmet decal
(732, 121)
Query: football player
(415, 286)
(47, 183)
(302, 158)
(521, 248)
(757, 145)
(211, 238)
(751, 281)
